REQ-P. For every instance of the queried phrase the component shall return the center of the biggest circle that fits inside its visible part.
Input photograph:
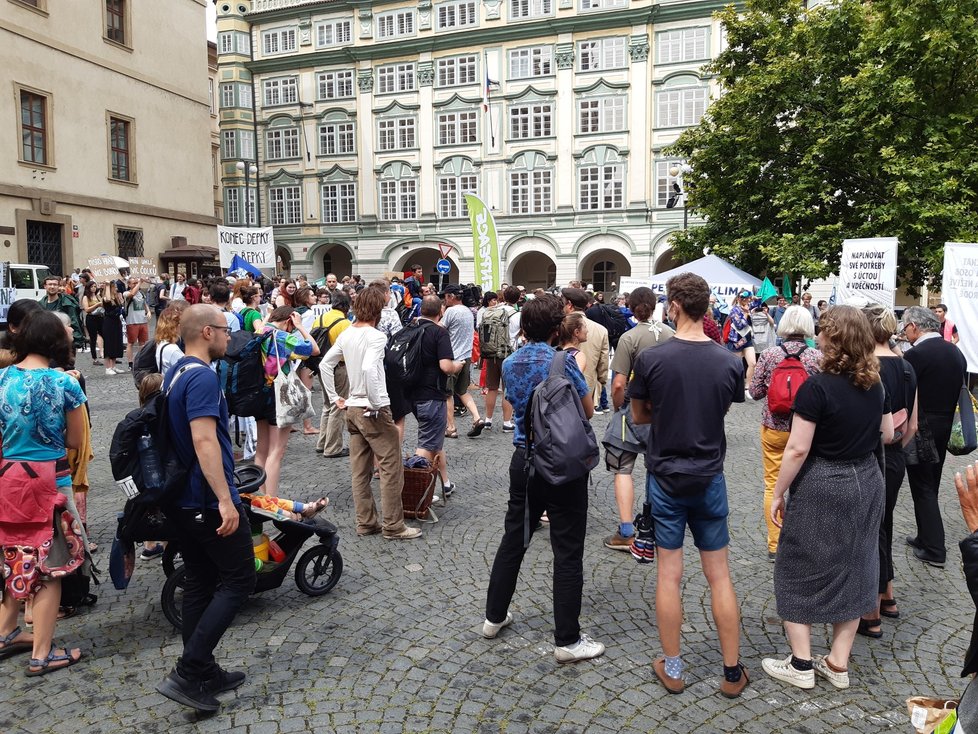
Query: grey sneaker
(785, 672)
(584, 649)
(491, 629)
(839, 680)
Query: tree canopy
(855, 119)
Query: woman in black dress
(113, 303)
(900, 383)
(827, 566)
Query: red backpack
(786, 379)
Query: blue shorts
(432, 422)
(706, 515)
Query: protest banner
(959, 292)
(7, 295)
(626, 284)
(254, 245)
(142, 267)
(104, 268)
(868, 270)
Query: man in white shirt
(373, 434)
(460, 322)
(176, 290)
(493, 364)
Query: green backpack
(494, 341)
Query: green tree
(850, 120)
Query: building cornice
(95, 202)
(475, 38)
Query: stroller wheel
(318, 570)
(172, 597)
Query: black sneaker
(224, 681)
(448, 489)
(187, 692)
(149, 554)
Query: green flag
(767, 290)
(484, 244)
(787, 287)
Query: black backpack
(402, 358)
(126, 457)
(241, 373)
(321, 335)
(145, 362)
(611, 318)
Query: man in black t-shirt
(428, 397)
(684, 388)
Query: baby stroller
(316, 572)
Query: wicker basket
(419, 488)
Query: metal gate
(44, 245)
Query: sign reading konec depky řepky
(254, 245)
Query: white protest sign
(626, 283)
(724, 291)
(868, 270)
(959, 291)
(254, 245)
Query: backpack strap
(186, 367)
(557, 363)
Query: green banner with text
(484, 244)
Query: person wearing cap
(597, 347)
(740, 339)
(459, 321)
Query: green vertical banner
(485, 246)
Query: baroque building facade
(105, 130)
(354, 129)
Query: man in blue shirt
(565, 504)
(214, 534)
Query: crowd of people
(846, 414)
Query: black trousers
(220, 577)
(93, 324)
(894, 469)
(566, 507)
(925, 481)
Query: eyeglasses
(221, 327)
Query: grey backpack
(559, 438)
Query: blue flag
(239, 266)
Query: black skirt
(112, 337)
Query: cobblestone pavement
(396, 645)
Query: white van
(27, 281)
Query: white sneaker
(491, 629)
(584, 649)
(110, 371)
(839, 680)
(785, 672)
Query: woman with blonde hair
(794, 328)
(571, 334)
(827, 567)
(900, 383)
(168, 351)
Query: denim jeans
(220, 576)
(566, 507)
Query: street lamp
(248, 169)
(677, 191)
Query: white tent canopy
(724, 279)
